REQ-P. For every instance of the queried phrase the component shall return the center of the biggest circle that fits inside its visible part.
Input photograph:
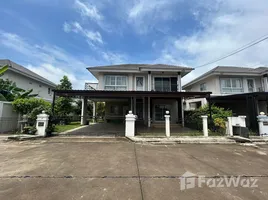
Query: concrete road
(123, 170)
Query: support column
(182, 113)
(84, 111)
(149, 112)
(149, 81)
(265, 83)
(167, 120)
(143, 108)
(135, 105)
(94, 112)
(205, 125)
(179, 82)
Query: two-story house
(26, 79)
(147, 90)
(234, 88)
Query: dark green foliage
(219, 116)
(31, 107)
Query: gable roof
(140, 67)
(24, 71)
(228, 69)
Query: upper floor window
(203, 87)
(231, 85)
(49, 91)
(250, 83)
(115, 82)
(165, 84)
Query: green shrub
(31, 107)
(219, 116)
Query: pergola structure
(249, 104)
(96, 95)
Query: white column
(94, 112)
(205, 125)
(167, 120)
(179, 82)
(182, 113)
(230, 126)
(149, 112)
(149, 81)
(265, 82)
(84, 111)
(42, 123)
(130, 124)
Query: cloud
(77, 28)
(224, 27)
(88, 10)
(48, 61)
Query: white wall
(27, 83)
(8, 118)
(213, 84)
(132, 78)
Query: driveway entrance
(101, 129)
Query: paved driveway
(123, 170)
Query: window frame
(170, 83)
(115, 85)
(232, 90)
(204, 85)
(135, 85)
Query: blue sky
(62, 37)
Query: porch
(149, 106)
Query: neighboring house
(233, 88)
(26, 79)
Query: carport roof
(127, 94)
(259, 95)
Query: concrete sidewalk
(124, 170)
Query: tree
(100, 111)
(9, 91)
(31, 107)
(3, 69)
(65, 84)
(78, 107)
(63, 105)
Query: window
(250, 83)
(231, 85)
(165, 84)
(115, 83)
(140, 83)
(40, 85)
(203, 87)
(49, 91)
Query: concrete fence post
(167, 120)
(130, 124)
(205, 125)
(42, 123)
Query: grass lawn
(62, 128)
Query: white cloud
(225, 27)
(48, 61)
(88, 10)
(77, 28)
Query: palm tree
(3, 69)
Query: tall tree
(65, 84)
(63, 105)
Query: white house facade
(26, 79)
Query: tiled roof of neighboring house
(228, 69)
(24, 71)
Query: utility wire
(257, 41)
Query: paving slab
(69, 189)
